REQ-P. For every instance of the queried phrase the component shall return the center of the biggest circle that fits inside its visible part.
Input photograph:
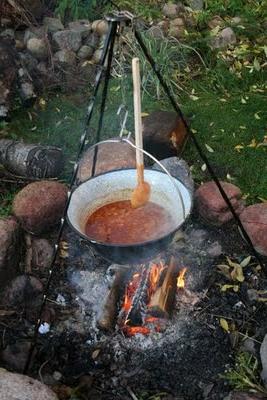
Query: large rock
(177, 28)
(40, 205)
(178, 168)
(37, 47)
(20, 387)
(212, 207)
(100, 27)
(85, 52)
(67, 57)
(10, 242)
(81, 26)
(172, 10)
(164, 134)
(254, 219)
(34, 32)
(67, 40)
(224, 38)
(111, 156)
(53, 24)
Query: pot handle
(128, 141)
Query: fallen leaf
(253, 143)
(193, 130)
(193, 97)
(34, 128)
(244, 263)
(262, 199)
(243, 101)
(235, 288)
(237, 273)
(243, 127)
(223, 100)
(95, 354)
(144, 114)
(210, 149)
(256, 116)
(238, 147)
(256, 64)
(229, 177)
(203, 167)
(224, 324)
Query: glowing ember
(180, 279)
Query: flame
(180, 279)
(133, 330)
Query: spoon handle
(137, 116)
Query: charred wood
(162, 301)
(106, 316)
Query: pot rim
(137, 244)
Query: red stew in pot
(119, 223)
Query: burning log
(106, 317)
(31, 160)
(162, 301)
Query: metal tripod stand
(116, 22)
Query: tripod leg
(198, 147)
(105, 90)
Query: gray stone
(27, 92)
(224, 38)
(28, 61)
(9, 249)
(85, 52)
(196, 5)
(8, 33)
(33, 32)
(155, 32)
(263, 354)
(53, 24)
(100, 26)
(81, 26)
(67, 40)
(172, 10)
(178, 168)
(20, 387)
(92, 40)
(37, 47)
(177, 28)
(215, 21)
(65, 57)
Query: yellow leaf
(193, 97)
(223, 100)
(144, 114)
(256, 115)
(203, 167)
(224, 288)
(210, 149)
(238, 147)
(229, 177)
(224, 324)
(245, 262)
(243, 101)
(237, 273)
(262, 199)
(253, 143)
(193, 130)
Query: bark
(30, 160)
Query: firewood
(31, 160)
(107, 314)
(161, 303)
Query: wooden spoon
(141, 193)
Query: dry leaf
(253, 143)
(210, 149)
(193, 130)
(193, 97)
(256, 116)
(203, 167)
(144, 114)
(225, 270)
(243, 101)
(95, 354)
(238, 147)
(244, 263)
(224, 324)
(224, 288)
(237, 274)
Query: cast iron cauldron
(168, 192)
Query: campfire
(147, 301)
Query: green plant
(6, 200)
(149, 9)
(76, 9)
(245, 374)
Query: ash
(170, 360)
